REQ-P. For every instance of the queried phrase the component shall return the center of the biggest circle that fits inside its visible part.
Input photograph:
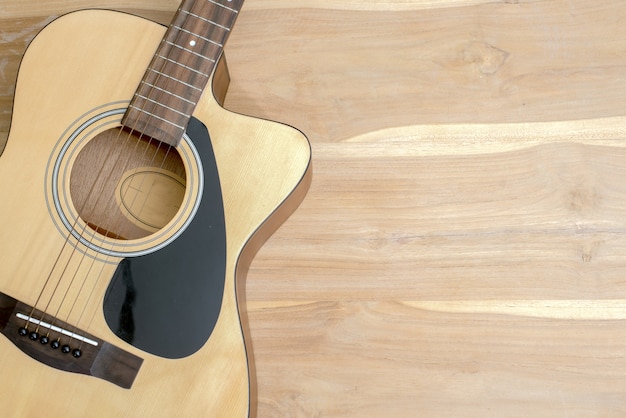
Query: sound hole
(125, 186)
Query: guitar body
(87, 64)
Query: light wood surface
(462, 249)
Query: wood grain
(461, 249)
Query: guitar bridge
(80, 353)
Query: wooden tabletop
(462, 249)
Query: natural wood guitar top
(462, 249)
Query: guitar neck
(181, 69)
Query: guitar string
(168, 148)
(106, 259)
(119, 218)
(114, 225)
(95, 234)
(75, 229)
(59, 256)
(86, 232)
(54, 266)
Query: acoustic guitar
(132, 204)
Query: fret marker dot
(192, 43)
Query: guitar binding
(62, 346)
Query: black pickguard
(167, 303)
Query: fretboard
(181, 69)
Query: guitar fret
(156, 116)
(161, 104)
(191, 52)
(152, 86)
(198, 36)
(182, 65)
(175, 79)
(224, 6)
(181, 68)
(206, 20)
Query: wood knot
(589, 250)
(582, 200)
(485, 57)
